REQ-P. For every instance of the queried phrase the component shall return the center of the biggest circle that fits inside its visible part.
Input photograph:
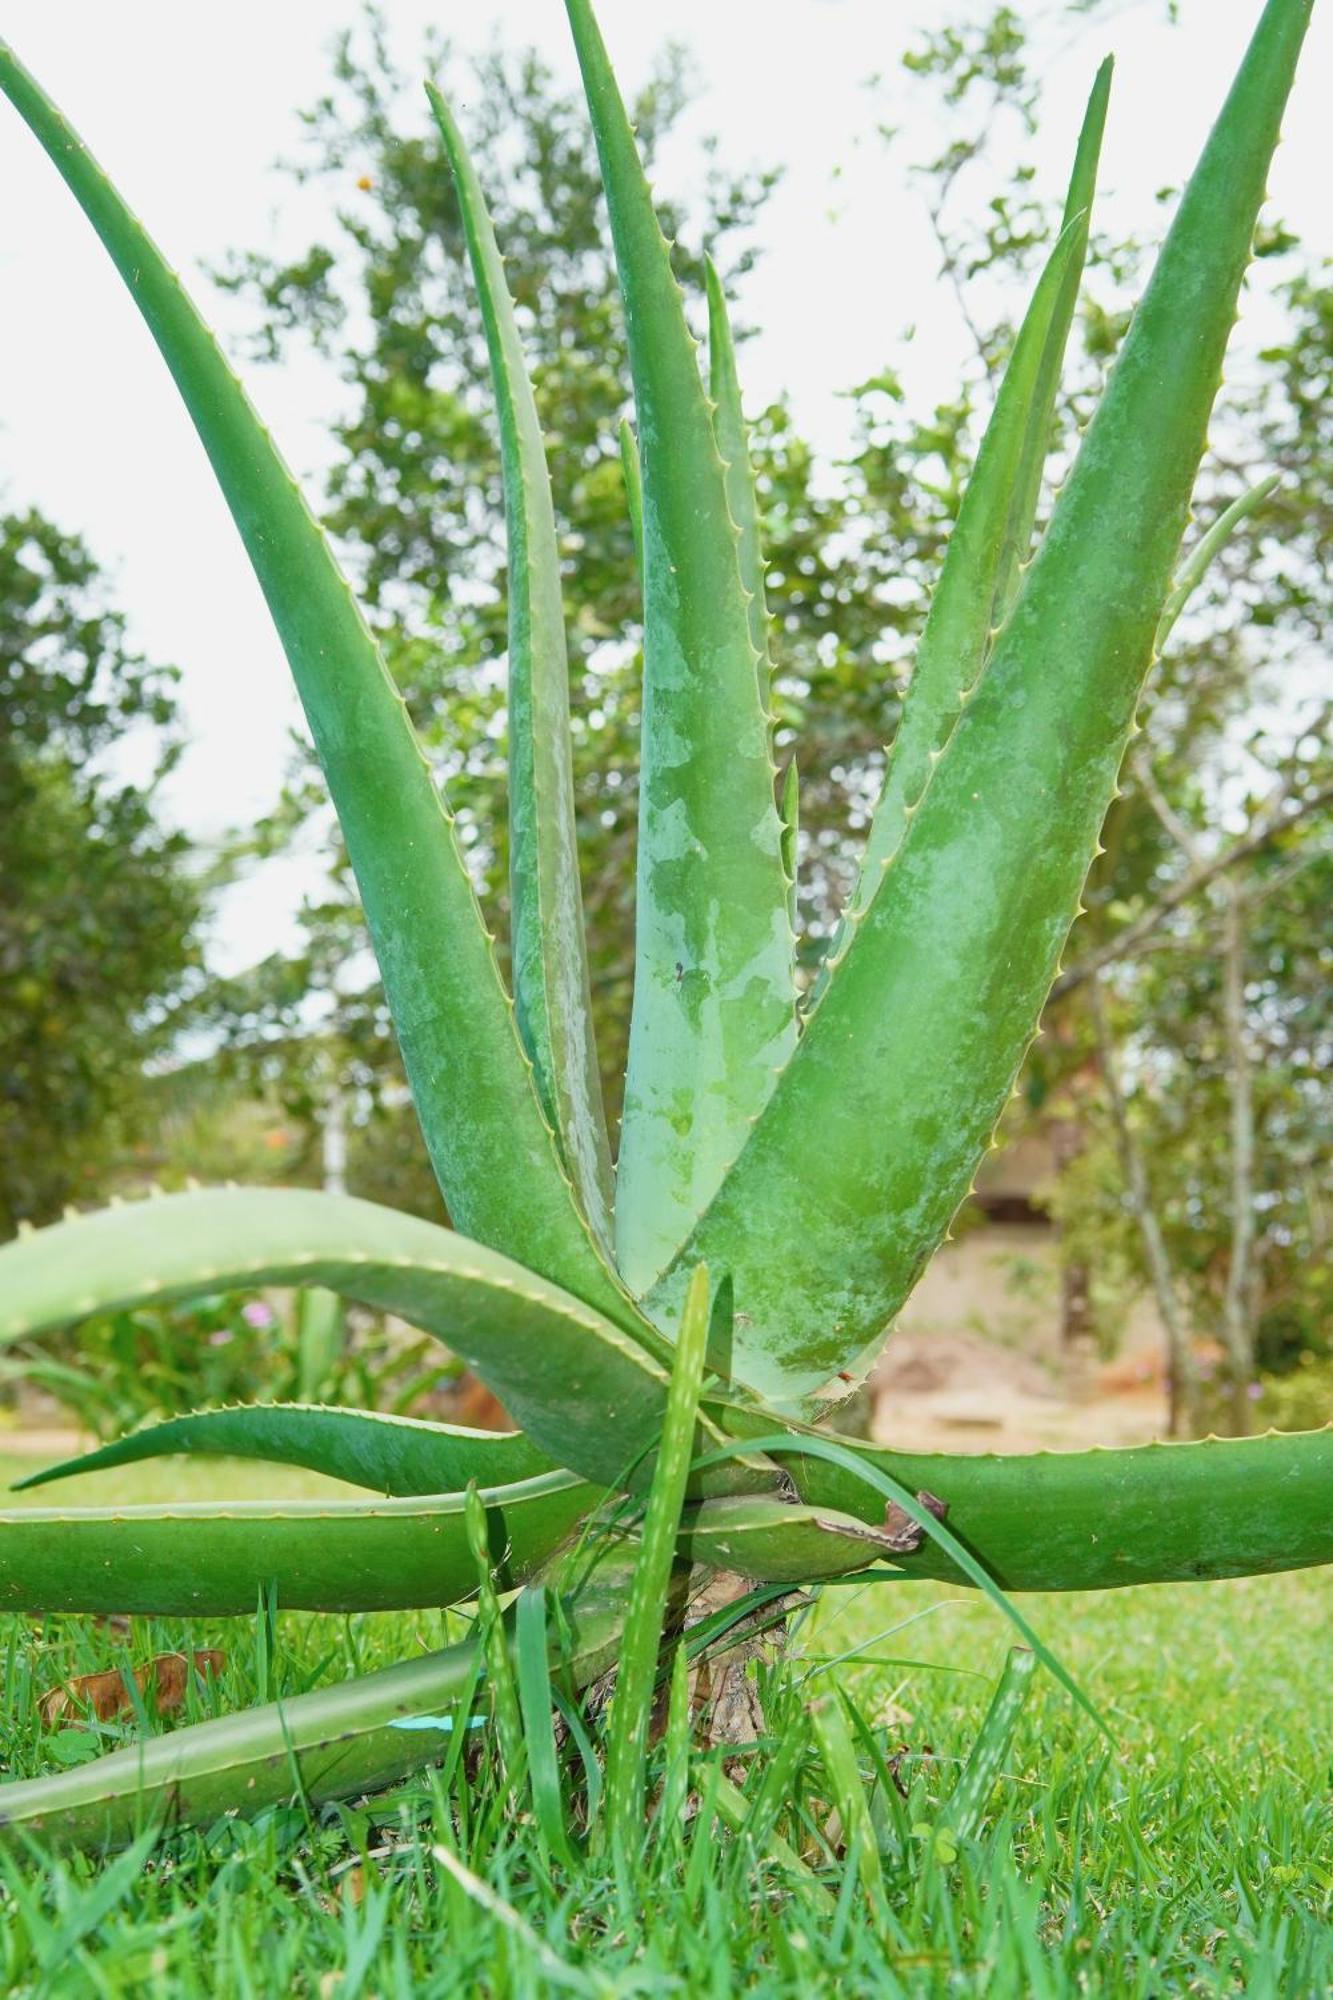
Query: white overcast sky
(188, 107)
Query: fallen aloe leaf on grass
(579, 1299)
(162, 1680)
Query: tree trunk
(1237, 1327)
(1182, 1375)
(1078, 1323)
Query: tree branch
(1182, 1373)
(1128, 941)
(1237, 1330)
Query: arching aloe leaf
(714, 999)
(321, 1336)
(551, 988)
(493, 1152)
(215, 1558)
(1195, 566)
(334, 1743)
(391, 1455)
(1094, 1520)
(993, 531)
(733, 442)
(581, 1389)
(876, 1127)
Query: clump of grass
(1179, 1861)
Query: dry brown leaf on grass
(105, 1696)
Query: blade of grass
(967, 1803)
(633, 1700)
(536, 1702)
(773, 1794)
(554, 1969)
(676, 1741)
(494, 1646)
(710, 1630)
(847, 1793)
(736, 1811)
(588, 1758)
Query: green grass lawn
(1194, 1856)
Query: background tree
(98, 904)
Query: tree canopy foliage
(97, 900)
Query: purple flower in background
(257, 1314)
(1255, 1391)
(222, 1338)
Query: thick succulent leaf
(334, 1743)
(215, 1558)
(633, 476)
(993, 531)
(714, 1012)
(1096, 1520)
(877, 1125)
(321, 1336)
(582, 1390)
(791, 834)
(759, 1536)
(551, 987)
(396, 1456)
(493, 1151)
(733, 443)
(1195, 566)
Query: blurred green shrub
(120, 1369)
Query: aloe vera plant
(803, 1157)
